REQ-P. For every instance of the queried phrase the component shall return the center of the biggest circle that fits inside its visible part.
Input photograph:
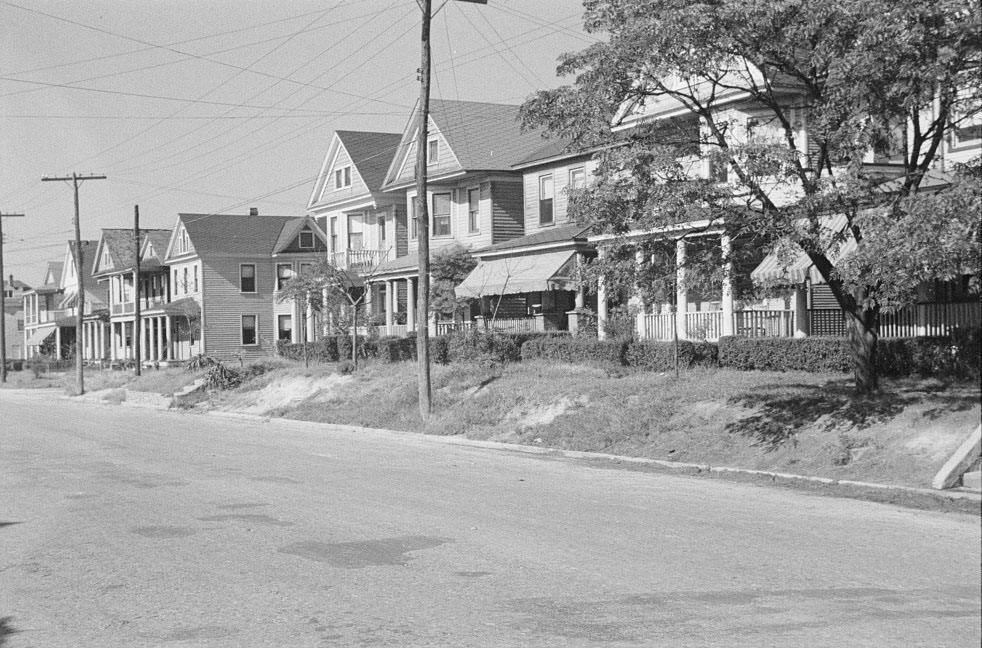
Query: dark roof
(159, 238)
(16, 285)
(88, 257)
(555, 148)
(371, 153)
(234, 234)
(484, 136)
(120, 243)
(400, 263)
(551, 235)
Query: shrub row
(958, 356)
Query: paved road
(128, 527)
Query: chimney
(253, 211)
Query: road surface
(122, 526)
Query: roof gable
(227, 235)
(365, 154)
(478, 136)
(289, 240)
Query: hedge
(575, 350)
(959, 356)
(818, 354)
(660, 356)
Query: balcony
(362, 260)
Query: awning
(39, 335)
(790, 265)
(520, 274)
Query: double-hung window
(545, 199)
(413, 222)
(284, 272)
(342, 177)
(334, 234)
(433, 151)
(577, 178)
(249, 325)
(355, 231)
(284, 328)
(473, 209)
(195, 269)
(247, 277)
(441, 214)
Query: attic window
(183, 244)
(433, 151)
(306, 239)
(342, 177)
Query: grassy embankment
(791, 422)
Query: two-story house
(50, 310)
(530, 282)
(225, 272)
(115, 267)
(474, 196)
(13, 316)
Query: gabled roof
(291, 231)
(482, 136)
(88, 255)
(120, 243)
(232, 234)
(154, 247)
(371, 153)
(17, 284)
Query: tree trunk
(862, 335)
(354, 335)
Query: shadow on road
(6, 630)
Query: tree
(890, 76)
(448, 268)
(326, 288)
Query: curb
(842, 487)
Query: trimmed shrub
(575, 350)
(325, 350)
(660, 356)
(439, 349)
(955, 357)
(819, 354)
(398, 349)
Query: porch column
(295, 321)
(57, 342)
(389, 301)
(635, 299)
(727, 297)
(369, 301)
(112, 341)
(100, 331)
(170, 337)
(601, 300)
(410, 305)
(681, 292)
(309, 323)
(801, 323)
(158, 349)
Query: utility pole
(137, 331)
(75, 178)
(3, 303)
(422, 214)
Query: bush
(325, 350)
(954, 357)
(221, 377)
(650, 355)
(399, 349)
(576, 350)
(818, 354)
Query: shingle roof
(234, 234)
(159, 238)
(401, 263)
(551, 235)
(484, 136)
(88, 256)
(371, 153)
(121, 247)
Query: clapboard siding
(560, 202)
(357, 188)
(401, 232)
(225, 304)
(507, 213)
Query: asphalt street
(122, 526)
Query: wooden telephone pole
(80, 302)
(137, 330)
(422, 214)
(3, 303)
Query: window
(195, 278)
(441, 214)
(473, 209)
(342, 178)
(381, 229)
(306, 240)
(185, 284)
(577, 178)
(306, 268)
(966, 135)
(334, 234)
(355, 236)
(284, 272)
(247, 277)
(433, 151)
(545, 200)
(414, 211)
(249, 329)
(284, 328)
(176, 283)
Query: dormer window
(306, 240)
(183, 242)
(342, 177)
(433, 151)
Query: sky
(215, 106)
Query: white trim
(255, 330)
(255, 279)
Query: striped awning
(520, 274)
(794, 267)
(39, 335)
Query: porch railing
(445, 328)
(514, 324)
(358, 259)
(764, 323)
